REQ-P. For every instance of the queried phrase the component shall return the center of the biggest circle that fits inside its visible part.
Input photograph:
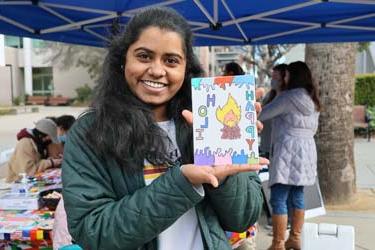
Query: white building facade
(25, 70)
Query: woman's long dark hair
(233, 68)
(124, 126)
(40, 144)
(300, 77)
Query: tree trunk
(333, 67)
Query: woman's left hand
(215, 175)
(221, 172)
(259, 92)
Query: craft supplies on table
(29, 228)
(24, 227)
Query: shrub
(84, 94)
(371, 112)
(17, 100)
(365, 90)
(7, 111)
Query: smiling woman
(128, 181)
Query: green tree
(69, 55)
(84, 94)
(264, 57)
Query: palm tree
(333, 67)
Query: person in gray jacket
(277, 85)
(294, 114)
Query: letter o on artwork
(202, 111)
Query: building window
(13, 41)
(42, 81)
(38, 44)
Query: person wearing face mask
(277, 85)
(61, 235)
(30, 155)
(64, 123)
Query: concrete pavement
(364, 157)
(10, 125)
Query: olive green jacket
(110, 208)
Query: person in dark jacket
(232, 69)
(128, 182)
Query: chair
(362, 120)
(58, 100)
(36, 100)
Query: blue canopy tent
(214, 22)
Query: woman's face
(155, 68)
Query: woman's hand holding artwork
(215, 174)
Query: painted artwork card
(224, 120)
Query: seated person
(61, 236)
(30, 155)
(64, 122)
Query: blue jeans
(286, 196)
